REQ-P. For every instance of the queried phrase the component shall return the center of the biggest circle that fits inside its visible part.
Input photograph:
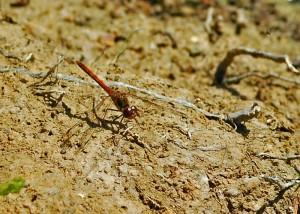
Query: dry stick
(7, 55)
(135, 139)
(236, 79)
(29, 57)
(20, 3)
(201, 148)
(50, 72)
(222, 67)
(209, 20)
(209, 148)
(123, 47)
(281, 184)
(268, 156)
(244, 115)
(284, 187)
(169, 35)
(235, 117)
(42, 92)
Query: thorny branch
(222, 67)
(238, 117)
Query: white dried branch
(283, 188)
(237, 117)
(209, 148)
(29, 57)
(268, 156)
(244, 115)
(238, 78)
(282, 185)
(209, 20)
(43, 92)
(8, 55)
(222, 67)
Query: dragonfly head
(131, 112)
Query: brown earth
(175, 160)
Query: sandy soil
(176, 160)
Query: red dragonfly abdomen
(108, 89)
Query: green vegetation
(13, 186)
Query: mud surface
(174, 159)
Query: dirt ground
(174, 159)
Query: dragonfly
(119, 98)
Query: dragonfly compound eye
(131, 112)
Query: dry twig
(238, 78)
(213, 27)
(283, 188)
(222, 67)
(50, 72)
(209, 19)
(20, 3)
(135, 138)
(281, 184)
(209, 148)
(235, 117)
(240, 22)
(8, 55)
(268, 156)
(244, 115)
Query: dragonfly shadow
(109, 124)
(54, 101)
(83, 133)
(101, 122)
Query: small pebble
(12, 135)
(232, 191)
(15, 110)
(148, 168)
(251, 183)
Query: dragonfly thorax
(120, 101)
